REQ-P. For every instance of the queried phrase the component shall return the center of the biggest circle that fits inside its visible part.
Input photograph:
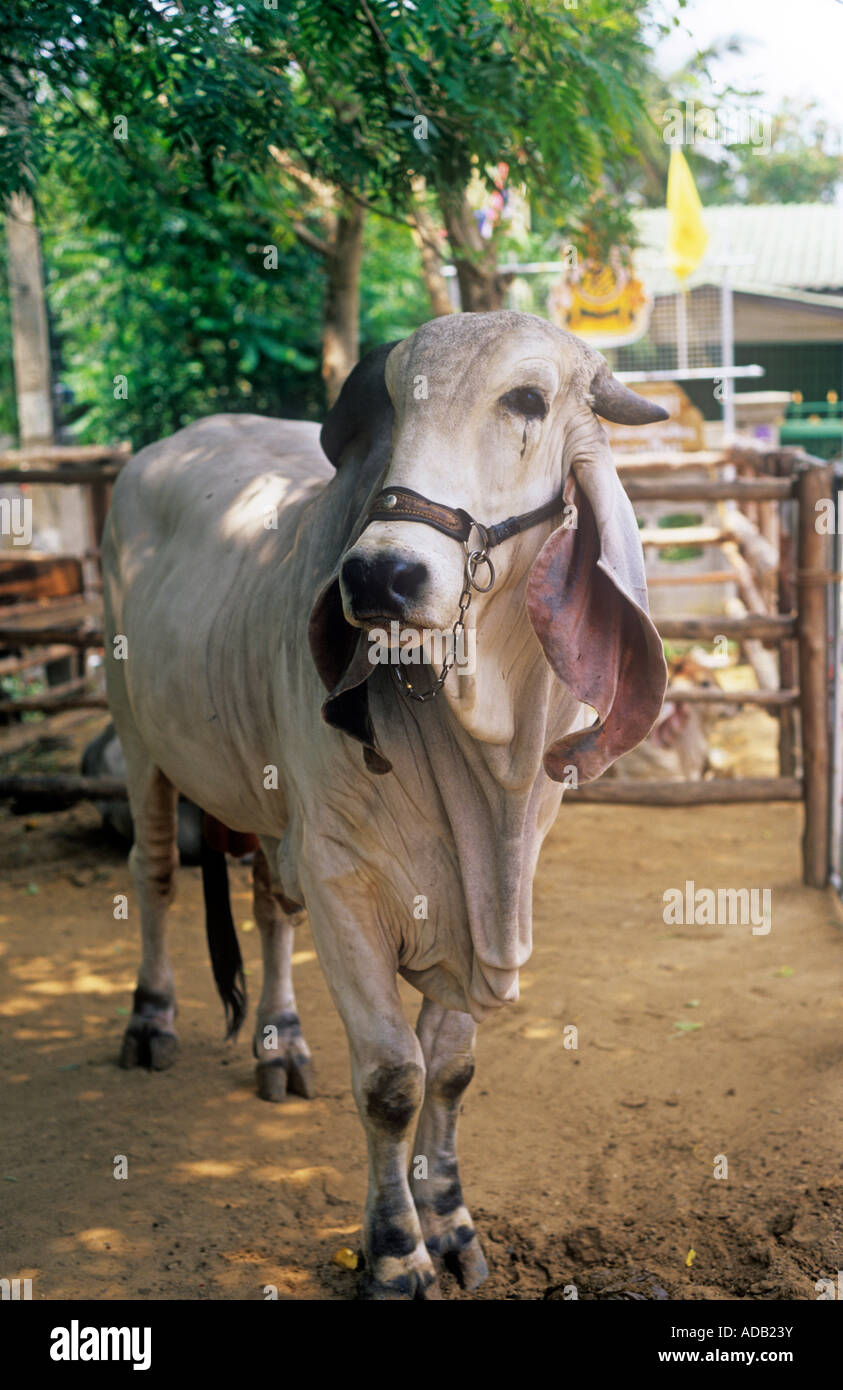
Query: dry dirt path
(590, 1166)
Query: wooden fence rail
(69, 477)
(686, 490)
(718, 791)
(767, 558)
(801, 575)
(771, 627)
(66, 786)
(51, 605)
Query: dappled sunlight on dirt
(589, 1163)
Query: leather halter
(403, 504)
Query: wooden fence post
(814, 482)
(783, 464)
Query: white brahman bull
(244, 576)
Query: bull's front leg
(387, 1073)
(447, 1040)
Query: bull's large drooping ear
(587, 600)
(362, 409)
(341, 657)
(357, 438)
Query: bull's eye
(527, 401)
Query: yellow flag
(687, 237)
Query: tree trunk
(59, 512)
(339, 242)
(482, 289)
(341, 311)
(30, 340)
(426, 237)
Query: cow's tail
(226, 960)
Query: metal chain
(473, 559)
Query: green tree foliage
(199, 328)
(738, 149)
(802, 163)
(550, 88)
(144, 130)
(550, 85)
(170, 263)
(393, 300)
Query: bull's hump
(223, 454)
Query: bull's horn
(614, 401)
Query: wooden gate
(783, 487)
(780, 488)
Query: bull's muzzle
(381, 586)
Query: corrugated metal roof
(797, 246)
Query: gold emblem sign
(601, 302)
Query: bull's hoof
(417, 1284)
(148, 1046)
(451, 1238)
(285, 1076)
(150, 1039)
(301, 1080)
(285, 1066)
(397, 1265)
(271, 1079)
(468, 1264)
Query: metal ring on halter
(473, 559)
(402, 503)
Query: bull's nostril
(384, 586)
(407, 579)
(353, 575)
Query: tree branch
(307, 237)
(319, 190)
(382, 40)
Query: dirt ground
(590, 1166)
